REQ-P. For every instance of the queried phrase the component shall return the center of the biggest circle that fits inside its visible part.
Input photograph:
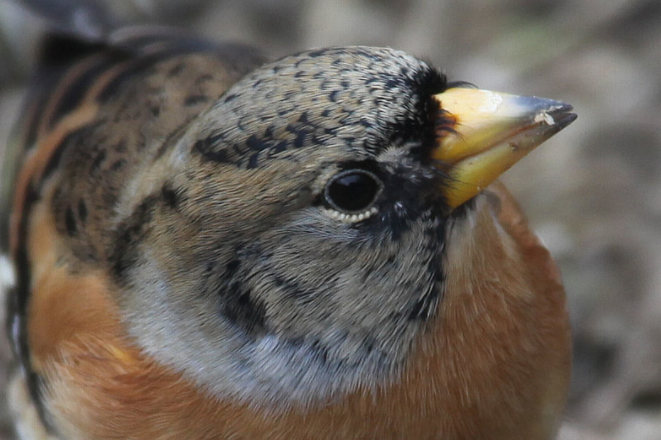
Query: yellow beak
(481, 134)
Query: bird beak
(481, 134)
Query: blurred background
(593, 193)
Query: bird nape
(207, 245)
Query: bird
(204, 243)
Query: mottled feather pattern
(63, 114)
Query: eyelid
(350, 218)
(319, 184)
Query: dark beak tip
(564, 118)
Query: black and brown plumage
(207, 245)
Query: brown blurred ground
(593, 192)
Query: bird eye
(352, 191)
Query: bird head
(313, 205)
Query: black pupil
(352, 191)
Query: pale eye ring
(352, 192)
